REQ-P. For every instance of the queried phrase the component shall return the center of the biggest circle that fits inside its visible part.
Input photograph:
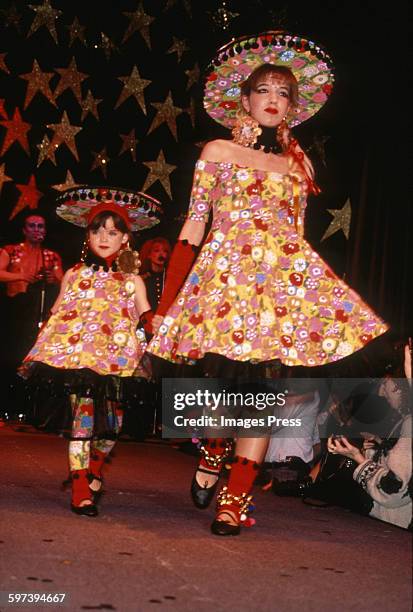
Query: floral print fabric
(94, 326)
(258, 291)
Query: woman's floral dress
(258, 291)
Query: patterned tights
(82, 440)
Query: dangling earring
(85, 250)
(246, 130)
(128, 261)
(284, 134)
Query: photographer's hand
(341, 446)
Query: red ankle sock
(80, 487)
(214, 447)
(96, 461)
(241, 480)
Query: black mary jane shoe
(222, 528)
(88, 510)
(202, 496)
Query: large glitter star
(129, 144)
(47, 150)
(101, 161)
(139, 22)
(76, 32)
(16, 131)
(29, 197)
(89, 105)
(193, 76)
(71, 78)
(159, 171)
(134, 86)
(3, 176)
(68, 184)
(341, 220)
(38, 82)
(64, 133)
(3, 65)
(179, 47)
(167, 113)
(45, 16)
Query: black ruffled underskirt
(52, 390)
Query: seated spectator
(384, 465)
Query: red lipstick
(271, 110)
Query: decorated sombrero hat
(233, 64)
(79, 205)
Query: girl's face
(268, 102)
(106, 240)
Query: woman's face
(106, 241)
(159, 254)
(269, 102)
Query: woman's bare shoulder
(217, 150)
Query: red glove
(180, 264)
(146, 321)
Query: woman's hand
(371, 442)
(341, 446)
(156, 323)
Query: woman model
(257, 293)
(89, 348)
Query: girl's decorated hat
(81, 204)
(233, 64)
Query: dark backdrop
(363, 126)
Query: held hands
(341, 446)
(156, 323)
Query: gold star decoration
(106, 45)
(11, 16)
(191, 112)
(45, 16)
(16, 131)
(29, 197)
(129, 144)
(193, 76)
(3, 176)
(68, 184)
(38, 82)
(341, 220)
(179, 47)
(159, 171)
(134, 86)
(101, 161)
(139, 22)
(167, 113)
(89, 105)
(3, 65)
(71, 78)
(64, 133)
(222, 17)
(76, 32)
(46, 151)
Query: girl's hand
(156, 323)
(341, 446)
